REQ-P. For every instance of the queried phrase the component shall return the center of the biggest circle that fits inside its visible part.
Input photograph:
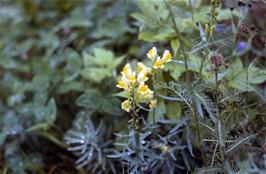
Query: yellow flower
(144, 92)
(148, 95)
(142, 77)
(152, 54)
(142, 72)
(126, 105)
(126, 70)
(143, 89)
(132, 77)
(153, 103)
(158, 63)
(141, 67)
(122, 84)
(167, 56)
(128, 74)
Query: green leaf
(46, 115)
(175, 45)
(173, 110)
(234, 75)
(256, 75)
(95, 74)
(103, 57)
(99, 66)
(91, 99)
(51, 112)
(112, 107)
(73, 22)
(73, 65)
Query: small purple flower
(241, 48)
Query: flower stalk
(188, 78)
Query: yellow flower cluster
(133, 82)
(159, 61)
(134, 85)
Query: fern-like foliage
(179, 92)
(203, 99)
(251, 165)
(157, 152)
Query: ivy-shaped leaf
(99, 66)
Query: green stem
(218, 123)
(201, 65)
(153, 85)
(188, 78)
(135, 118)
(53, 139)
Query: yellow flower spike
(153, 103)
(152, 54)
(159, 63)
(167, 56)
(126, 105)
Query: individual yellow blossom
(141, 67)
(144, 93)
(167, 56)
(159, 63)
(126, 105)
(152, 54)
(132, 77)
(142, 72)
(126, 70)
(142, 77)
(128, 74)
(142, 89)
(148, 95)
(153, 103)
(122, 84)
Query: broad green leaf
(100, 65)
(95, 74)
(112, 106)
(103, 57)
(91, 99)
(173, 110)
(256, 75)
